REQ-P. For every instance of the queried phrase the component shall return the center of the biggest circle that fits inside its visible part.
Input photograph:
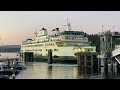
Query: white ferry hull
(59, 58)
(63, 53)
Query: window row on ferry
(33, 45)
(71, 34)
(40, 50)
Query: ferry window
(40, 50)
(55, 49)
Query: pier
(87, 59)
(107, 49)
(108, 55)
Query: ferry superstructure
(62, 44)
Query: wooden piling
(118, 68)
(106, 65)
(49, 56)
(99, 65)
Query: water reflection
(87, 72)
(49, 72)
(40, 70)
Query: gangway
(116, 54)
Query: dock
(87, 59)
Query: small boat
(20, 66)
(5, 70)
(4, 77)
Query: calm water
(41, 70)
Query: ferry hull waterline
(63, 44)
(64, 53)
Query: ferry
(63, 44)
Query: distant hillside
(10, 48)
(95, 41)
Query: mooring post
(78, 60)
(81, 60)
(118, 68)
(85, 60)
(92, 63)
(111, 62)
(99, 65)
(106, 65)
(49, 56)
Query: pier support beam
(99, 65)
(106, 65)
(111, 63)
(78, 61)
(49, 56)
(118, 68)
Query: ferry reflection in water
(41, 70)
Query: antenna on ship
(68, 25)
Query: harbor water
(43, 70)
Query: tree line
(95, 40)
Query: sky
(16, 26)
